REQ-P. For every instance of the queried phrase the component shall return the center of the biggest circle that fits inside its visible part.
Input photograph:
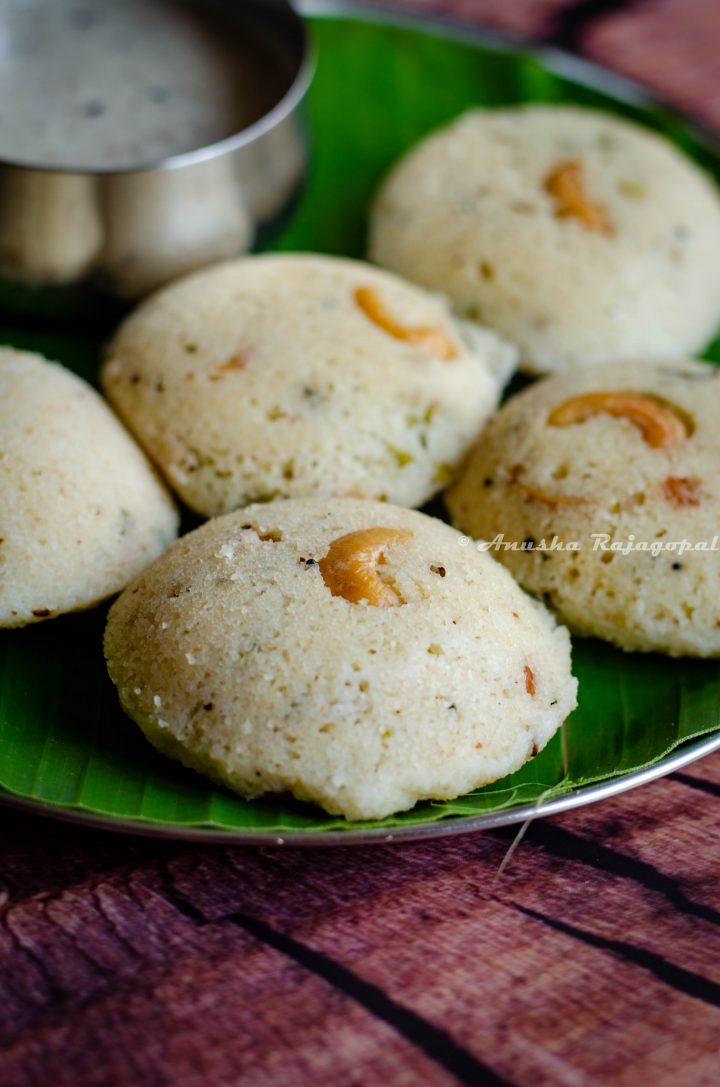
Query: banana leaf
(64, 742)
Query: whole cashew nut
(565, 185)
(350, 568)
(661, 425)
(432, 341)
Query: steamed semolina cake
(350, 652)
(581, 237)
(620, 461)
(295, 375)
(81, 509)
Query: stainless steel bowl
(124, 219)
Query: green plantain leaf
(63, 738)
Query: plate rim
(559, 61)
(586, 73)
(685, 754)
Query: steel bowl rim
(283, 108)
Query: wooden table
(594, 959)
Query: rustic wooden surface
(672, 46)
(594, 960)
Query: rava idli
(581, 237)
(352, 653)
(296, 375)
(81, 509)
(600, 491)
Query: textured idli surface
(613, 458)
(295, 375)
(581, 237)
(81, 509)
(252, 652)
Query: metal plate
(446, 828)
(622, 90)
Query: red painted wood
(670, 45)
(108, 981)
